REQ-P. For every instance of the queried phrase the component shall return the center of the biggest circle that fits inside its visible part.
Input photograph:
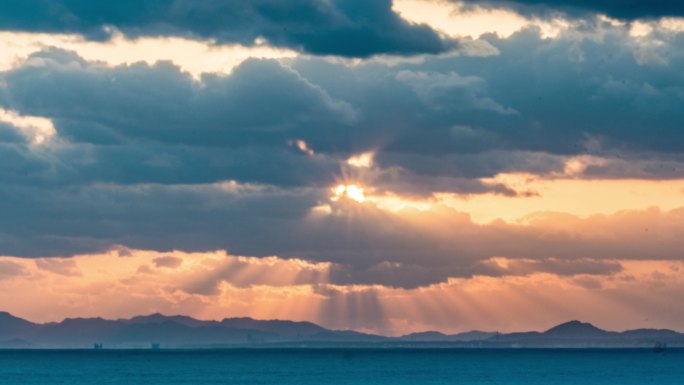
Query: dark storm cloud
(66, 220)
(441, 109)
(355, 28)
(547, 95)
(18, 166)
(154, 124)
(572, 90)
(622, 9)
(262, 102)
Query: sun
(348, 191)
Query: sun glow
(387, 201)
(396, 203)
(363, 160)
(349, 191)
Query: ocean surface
(343, 366)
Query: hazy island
(157, 331)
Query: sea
(343, 366)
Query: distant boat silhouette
(97, 346)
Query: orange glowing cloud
(216, 285)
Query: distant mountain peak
(157, 318)
(574, 328)
(573, 324)
(425, 336)
(184, 331)
(7, 317)
(5, 314)
(154, 316)
(10, 325)
(84, 320)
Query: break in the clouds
(214, 285)
(373, 159)
(353, 28)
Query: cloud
(61, 266)
(115, 134)
(149, 157)
(446, 91)
(511, 102)
(102, 160)
(244, 272)
(10, 134)
(168, 261)
(261, 102)
(193, 56)
(635, 296)
(455, 119)
(503, 266)
(634, 9)
(339, 27)
(9, 269)
(366, 245)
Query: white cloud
(36, 129)
(193, 56)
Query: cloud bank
(349, 28)
(343, 173)
(214, 285)
(630, 10)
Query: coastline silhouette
(157, 330)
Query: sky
(387, 166)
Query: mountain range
(161, 331)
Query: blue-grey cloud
(144, 155)
(354, 28)
(261, 103)
(623, 9)
(154, 124)
(367, 245)
(10, 134)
